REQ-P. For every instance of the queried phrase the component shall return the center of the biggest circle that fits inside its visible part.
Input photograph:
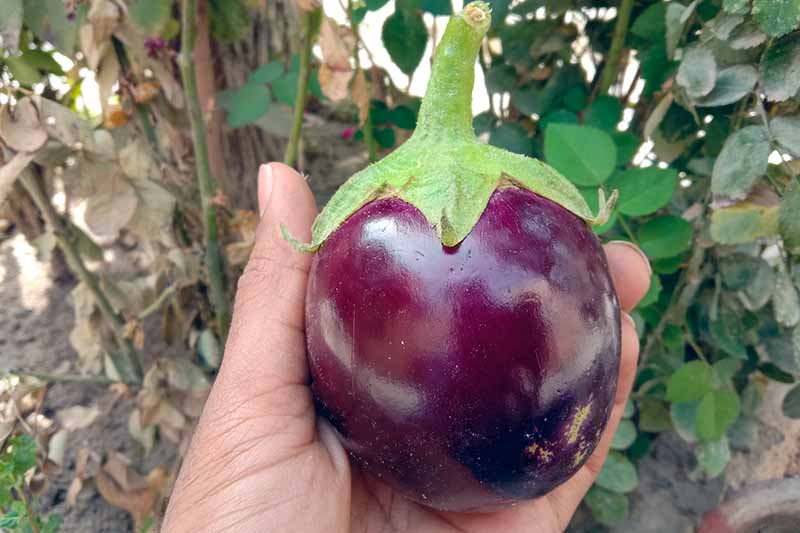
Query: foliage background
(138, 125)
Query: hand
(261, 460)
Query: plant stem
(627, 229)
(140, 109)
(31, 518)
(610, 73)
(205, 181)
(310, 19)
(63, 378)
(369, 137)
(153, 307)
(127, 360)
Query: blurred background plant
(132, 132)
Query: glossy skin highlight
(468, 377)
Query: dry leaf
(238, 253)
(308, 5)
(65, 125)
(74, 490)
(114, 116)
(360, 96)
(154, 214)
(145, 92)
(57, 447)
(10, 171)
(245, 223)
(77, 417)
(119, 468)
(334, 83)
(144, 435)
(107, 76)
(20, 128)
(136, 160)
(139, 503)
(112, 205)
(104, 16)
(337, 44)
(134, 332)
(92, 48)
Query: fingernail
(626, 317)
(638, 251)
(264, 188)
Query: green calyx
(443, 170)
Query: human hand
(261, 460)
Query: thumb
(266, 345)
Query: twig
(153, 307)
(205, 181)
(628, 230)
(609, 74)
(63, 378)
(127, 360)
(310, 22)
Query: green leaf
(725, 369)
(42, 61)
(668, 265)
(651, 296)
(403, 117)
(717, 411)
(627, 146)
(651, 24)
(437, 7)
(25, 73)
(230, 19)
(759, 291)
(48, 20)
(653, 416)
(784, 352)
(374, 5)
(724, 24)
(789, 217)
(743, 222)
(248, 104)
(405, 37)
(736, 7)
(609, 508)
(10, 520)
(625, 435)
(738, 269)
(558, 116)
(777, 17)
(785, 301)
(772, 371)
(786, 131)
(726, 334)
(618, 474)
(665, 236)
(690, 382)
(713, 456)
(643, 190)
(285, 88)
(791, 403)
(20, 453)
(11, 25)
(585, 155)
(684, 419)
(697, 72)
(733, 84)
(512, 137)
(604, 113)
(484, 122)
(501, 78)
(151, 16)
(780, 69)
(53, 523)
(266, 73)
(630, 410)
(674, 27)
(575, 98)
(385, 137)
(746, 37)
(743, 159)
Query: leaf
(10, 25)
(777, 17)
(717, 411)
(643, 190)
(651, 24)
(266, 73)
(20, 453)
(77, 417)
(48, 20)
(209, 349)
(791, 403)
(625, 435)
(618, 474)
(23, 72)
(684, 419)
(743, 222)
(512, 137)
(651, 296)
(759, 291)
(437, 7)
(334, 83)
(733, 84)
(608, 508)
(10, 171)
(738, 7)
(657, 115)
(697, 72)
(674, 27)
(151, 16)
(690, 382)
(789, 216)
(403, 117)
(785, 301)
(112, 205)
(249, 103)
(144, 435)
(786, 131)
(627, 146)
(605, 113)
(726, 334)
(780, 69)
(745, 37)
(585, 155)
(405, 37)
(743, 159)
(724, 370)
(285, 88)
(230, 19)
(713, 456)
(360, 96)
(337, 44)
(501, 78)
(724, 24)
(665, 236)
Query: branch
(127, 360)
(205, 181)
(310, 22)
(610, 73)
(63, 378)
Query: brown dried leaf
(107, 76)
(114, 116)
(10, 171)
(112, 205)
(20, 128)
(360, 96)
(308, 5)
(245, 223)
(136, 160)
(144, 435)
(139, 503)
(57, 447)
(74, 491)
(154, 214)
(77, 417)
(334, 83)
(337, 44)
(92, 48)
(145, 92)
(119, 468)
(104, 16)
(238, 253)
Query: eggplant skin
(471, 377)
